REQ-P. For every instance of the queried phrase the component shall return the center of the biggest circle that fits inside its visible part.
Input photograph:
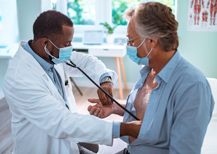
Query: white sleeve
(34, 101)
(90, 65)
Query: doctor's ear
(44, 42)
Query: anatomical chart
(202, 15)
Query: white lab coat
(41, 124)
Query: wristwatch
(105, 80)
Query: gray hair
(155, 20)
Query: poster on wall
(202, 15)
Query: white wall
(197, 47)
(8, 34)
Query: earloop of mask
(53, 44)
(149, 52)
(48, 52)
(141, 43)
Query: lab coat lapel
(59, 69)
(32, 62)
(67, 89)
(70, 98)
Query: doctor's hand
(105, 100)
(99, 110)
(131, 129)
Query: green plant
(108, 27)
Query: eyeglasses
(130, 41)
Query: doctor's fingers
(102, 97)
(105, 100)
(109, 100)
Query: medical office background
(17, 18)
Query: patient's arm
(104, 111)
(126, 129)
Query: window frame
(103, 14)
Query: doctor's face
(62, 41)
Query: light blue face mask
(132, 54)
(64, 54)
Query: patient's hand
(105, 100)
(99, 110)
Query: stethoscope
(74, 66)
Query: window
(88, 14)
(170, 3)
(118, 9)
(81, 12)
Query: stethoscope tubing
(73, 65)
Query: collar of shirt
(167, 71)
(164, 74)
(44, 64)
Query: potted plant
(110, 31)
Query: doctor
(44, 113)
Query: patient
(172, 97)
